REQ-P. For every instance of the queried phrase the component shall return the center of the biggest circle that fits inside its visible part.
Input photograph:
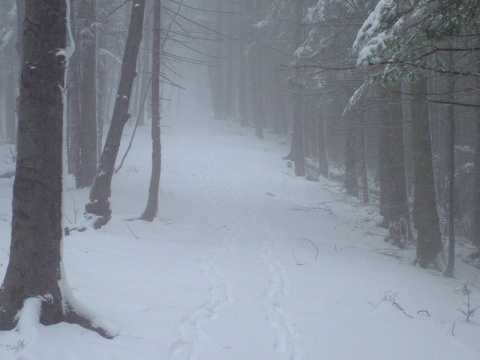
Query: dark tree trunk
(425, 211)
(451, 181)
(393, 188)
(152, 204)
(219, 88)
(99, 205)
(10, 97)
(257, 95)
(242, 80)
(229, 94)
(298, 141)
(102, 85)
(34, 270)
(322, 143)
(363, 168)
(475, 223)
(20, 18)
(73, 105)
(242, 91)
(351, 180)
(87, 131)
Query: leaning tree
(99, 205)
(35, 271)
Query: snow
(244, 261)
(70, 40)
(373, 36)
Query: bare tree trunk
(425, 212)
(351, 180)
(87, 131)
(10, 97)
(218, 71)
(102, 85)
(322, 143)
(363, 168)
(475, 221)
(451, 173)
(393, 188)
(152, 204)
(35, 271)
(298, 141)
(101, 190)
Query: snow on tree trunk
(35, 265)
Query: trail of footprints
(192, 329)
(193, 335)
(284, 333)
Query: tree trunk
(475, 223)
(363, 168)
(351, 181)
(322, 143)
(152, 204)
(99, 205)
(10, 100)
(73, 104)
(425, 211)
(298, 145)
(393, 188)
(451, 178)
(102, 85)
(257, 95)
(35, 270)
(219, 88)
(87, 131)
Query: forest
(207, 162)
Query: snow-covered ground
(245, 262)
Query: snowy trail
(245, 262)
(231, 210)
(253, 309)
(194, 337)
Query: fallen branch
(391, 298)
(316, 247)
(296, 260)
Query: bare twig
(423, 311)
(391, 298)
(296, 260)
(129, 228)
(316, 247)
(343, 248)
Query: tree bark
(152, 203)
(298, 141)
(99, 204)
(425, 211)
(322, 143)
(475, 220)
(10, 97)
(102, 85)
(451, 175)
(351, 180)
(393, 188)
(87, 131)
(35, 268)
(73, 104)
(363, 168)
